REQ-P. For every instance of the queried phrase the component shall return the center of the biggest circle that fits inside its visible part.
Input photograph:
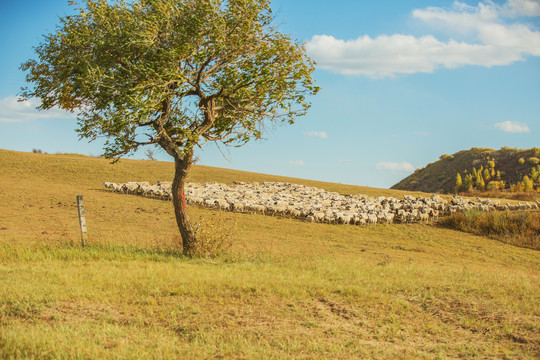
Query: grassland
(286, 289)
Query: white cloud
(493, 42)
(516, 8)
(297, 162)
(512, 127)
(395, 166)
(13, 111)
(320, 134)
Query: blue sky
(402, 83)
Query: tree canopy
(176, 73)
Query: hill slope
(92, 171)
(440, 176)
(287, 289)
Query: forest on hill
(479, 169)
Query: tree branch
(208, 109)
(199, 77)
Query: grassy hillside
(440, 176)
(92, 171)
(287, 289)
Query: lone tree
(176, 73)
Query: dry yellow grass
(287, 289)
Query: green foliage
(479, 182)
(495, 185)
(533, 160)
(491, 186)
(459, 183)
(517, 187)
(176, 73)
(482, 150)
(527, 184)
(535, 174)
(467, 183)
(486, 175)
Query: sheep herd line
(314, 204)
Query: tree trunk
(182, 167)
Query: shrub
(517, 187)
(533, 161)
(37, 151)
(507, 194)
(214, 238)
(491, 186)
(521, 228)
(495, 185)
(521, 161)
(484, 150)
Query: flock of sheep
(314, 204)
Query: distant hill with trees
(478, 169)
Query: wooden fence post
(82, 220)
